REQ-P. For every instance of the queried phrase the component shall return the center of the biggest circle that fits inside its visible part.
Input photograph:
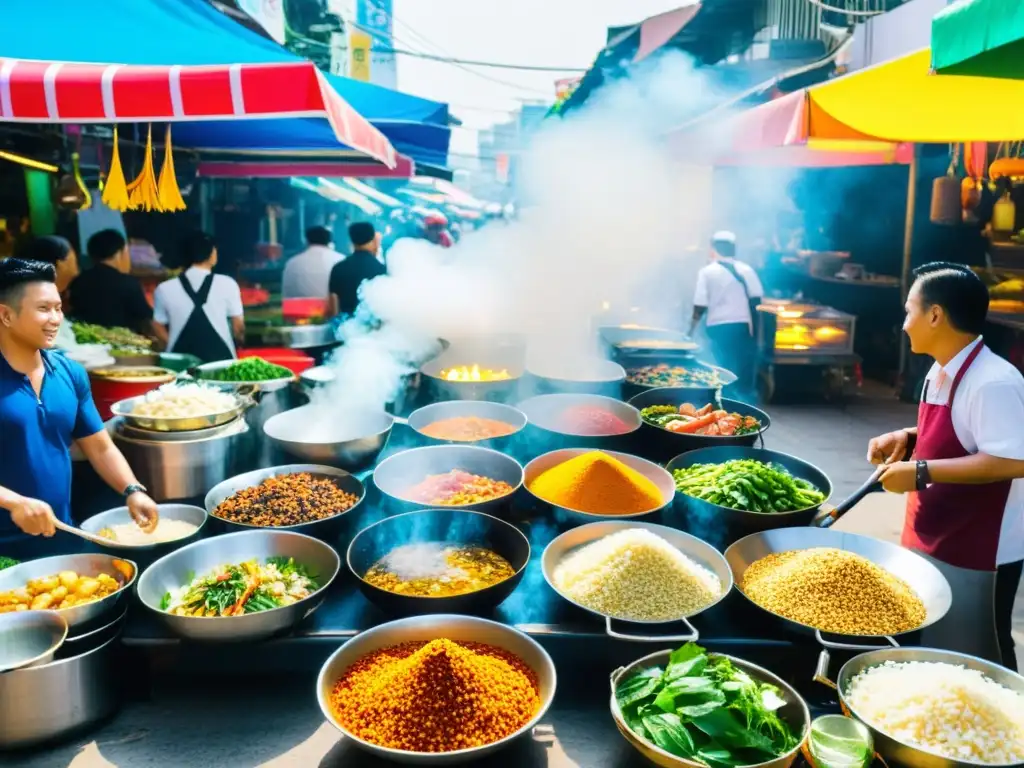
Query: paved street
(277, 724)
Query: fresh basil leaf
(686, 685)
(636, 725)
(666, 701)
(717, 757)
(693, 667)
(636, 689)
(698, 705)
(724, 728)
(687, 652)
(668, 732)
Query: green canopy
(979, 38)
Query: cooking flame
(474, 373)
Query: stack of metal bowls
(72, 685)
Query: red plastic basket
(292, 359)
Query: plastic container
(116, 383)
(293, 360)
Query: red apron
(957, 524)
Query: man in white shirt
(965, 473)
(728, 292)
(306, 274)
(201, 312)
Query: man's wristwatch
(923, 476)
(134, 488)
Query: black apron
(199, 337)
(733, 343)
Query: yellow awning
(903, 101)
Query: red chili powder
(592, 421)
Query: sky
(560, 33)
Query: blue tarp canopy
(191, 32)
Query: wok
(426, 628)
(125, 409)
(305, 433)
(707, 393)
(723, 525)
(322, 528)
(546, 432)
(200, 558)
(500, 391)
(794, 712)
(397, 474)
(660, 444)
(700, 552)
(148, 552)
(429, 414)
(892, 749)
(587, 377)
(30, 638)
(924, 578)
(87, 616)
(452, 526)
(651, 471)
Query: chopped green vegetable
(249, 369)
(7, 562)
(703, 708)
(748, 485)
(122, 341)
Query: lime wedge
(838, 751)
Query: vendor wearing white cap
(728, 292)
(962, 464)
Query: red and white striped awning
(68, 92)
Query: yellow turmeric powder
(439, 696)
(598, 484)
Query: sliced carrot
(688, 409)
(706, 410)
(692, 426)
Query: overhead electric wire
(475, 63)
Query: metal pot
(184, 465)
(44, 704)
(125, 409)
(179, 568)
(705, 392)
(272, 397)
(498, 391)
(397, 474)
(290, 435)
(924, 578)
(794, 712)
(30, 638)
(592, 377)
(724, 525)
(147, 553)
(658, 444)
(565, 544)
(651, 471)
(325, 528)
(899, 752)
(86, 616)
(426, 628)
(429, 414)
(546, 432)
(452, 526)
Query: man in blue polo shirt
(45, 405)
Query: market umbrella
(980, 38)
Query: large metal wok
(177, 569)
(126, 410)
(924, 578)
(794, 712)
(899, 752)
(456, 527)
(722, 525)
(425, 629)
(547, 429)
(318, 435)
(698, 551)
(659, 444)
(86, 616)
(322, 528)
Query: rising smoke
(614, 228)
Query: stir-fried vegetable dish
(249, 587)
(249, 369)
(704, 708)
(748, 485)
(688, 419)
(121, 340)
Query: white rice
(636, 575)
(166, 530)
(942, 708)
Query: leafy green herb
(702, 707)
(7, 562)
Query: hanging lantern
(946, 207)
